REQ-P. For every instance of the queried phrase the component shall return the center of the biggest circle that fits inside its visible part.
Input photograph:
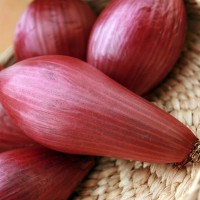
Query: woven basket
(179, 95)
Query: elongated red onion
(39, 173)
(11, 137)
(137, 42)
(68, 105)
(54, 27)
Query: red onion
(11, 137)
(67, 105)
(54, 27)
(39, 173)
(137, 42)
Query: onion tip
(193, 157)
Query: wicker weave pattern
(98, 5)
(179, 95)
(193, 7)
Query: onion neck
(193, 157)
(195, 154)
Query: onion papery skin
(40, 173)
(11, 137)
(137, 42)
(59, 27)
(69, 106)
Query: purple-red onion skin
(40, 173)
(11, 137)
(60, 27)
(137, 42)
(69, 106)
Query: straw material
(193, 7)
(7, 57)
(98, 5)
(179, 95)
